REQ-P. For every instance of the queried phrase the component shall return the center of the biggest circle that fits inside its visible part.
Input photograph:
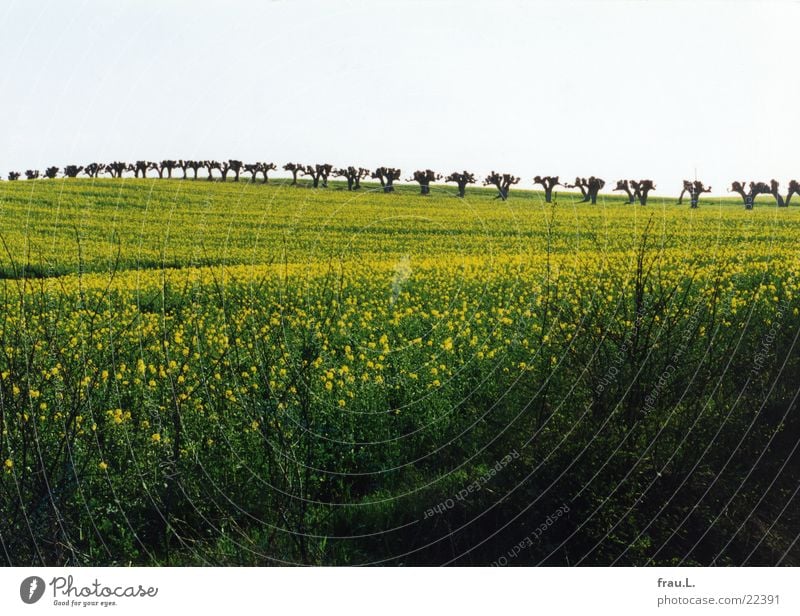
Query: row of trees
(636, 190)
(165, 168)
(318, 173)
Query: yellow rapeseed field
(194, 372)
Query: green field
(199, 372)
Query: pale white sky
(615, 89)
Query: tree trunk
(630, 195)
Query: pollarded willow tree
(641, 189)
(32, 174)
(94, 169)
(185, 165)
(353, 175)
(255, 168)
(72, 171)
(794, 189)
(324, 171)
(424, 178)
(755, 189)
(589, 188)
(265, 169)
(139, 167)
(579, 183)
(51, 173)
(13, 176)
(210, 165)
(624, 185)
(116, 169)
(774, 190)
(593, 187)
(461, 178)
(548, 182)
(503, 182)
(252, 169)
(236, 167)
(318, 173)
(749, 196)
(695, 189)
(231, 165)
(387, 176)
(362, 173)
(169, 166)
(194, 165)
(687, 188)
(294, 169)
(311, 171)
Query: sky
(643, 89)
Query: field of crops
(207, 373)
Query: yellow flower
(103, 466)
(156, 438)
(9, 464)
